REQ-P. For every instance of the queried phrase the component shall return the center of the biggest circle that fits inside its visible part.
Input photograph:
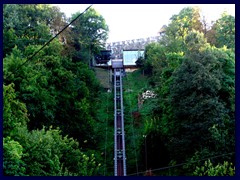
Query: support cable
(29, 58)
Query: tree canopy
(49, 100)
(192, 72)
(58, 119)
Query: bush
(12, 158)
(208, 169)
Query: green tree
(56, 91)
(194, 81)
(89, 33)
(195, 104)
(187, 20)
(195, 43)
(208, 169)
(13, 163)
(28, 23)
(155, 60)
(39, 152)
(15, 112)
(14, 116)
(48, 153)
(31, 83)
(195, 99)
(225, 31)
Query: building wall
(136, 44)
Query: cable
(28, 59)
(168, 167)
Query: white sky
(133, 21)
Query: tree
(32, 24)
(194, 81)
(39, 152)
(195, 43)
(193, 95)
(222, 32)
(48, 153)
(155, 59)
(225, 31)
(89, 33)
(13, 163)
(50, 90)
(211, 34)
(28, 23)
(187, 20)
(15, 112)
(140, 62)
(56, 90)
(208, 169)
(195, 100)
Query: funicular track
(119, 135)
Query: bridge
(134, 44)
(118, 49)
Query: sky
(133, 21)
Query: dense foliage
(192, 116)
(49, 101)
(58, 120)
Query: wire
(168, 167)
(28, 59)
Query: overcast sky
(132, 21)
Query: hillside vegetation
(58, 119)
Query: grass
(103, 76)
(133, 84)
